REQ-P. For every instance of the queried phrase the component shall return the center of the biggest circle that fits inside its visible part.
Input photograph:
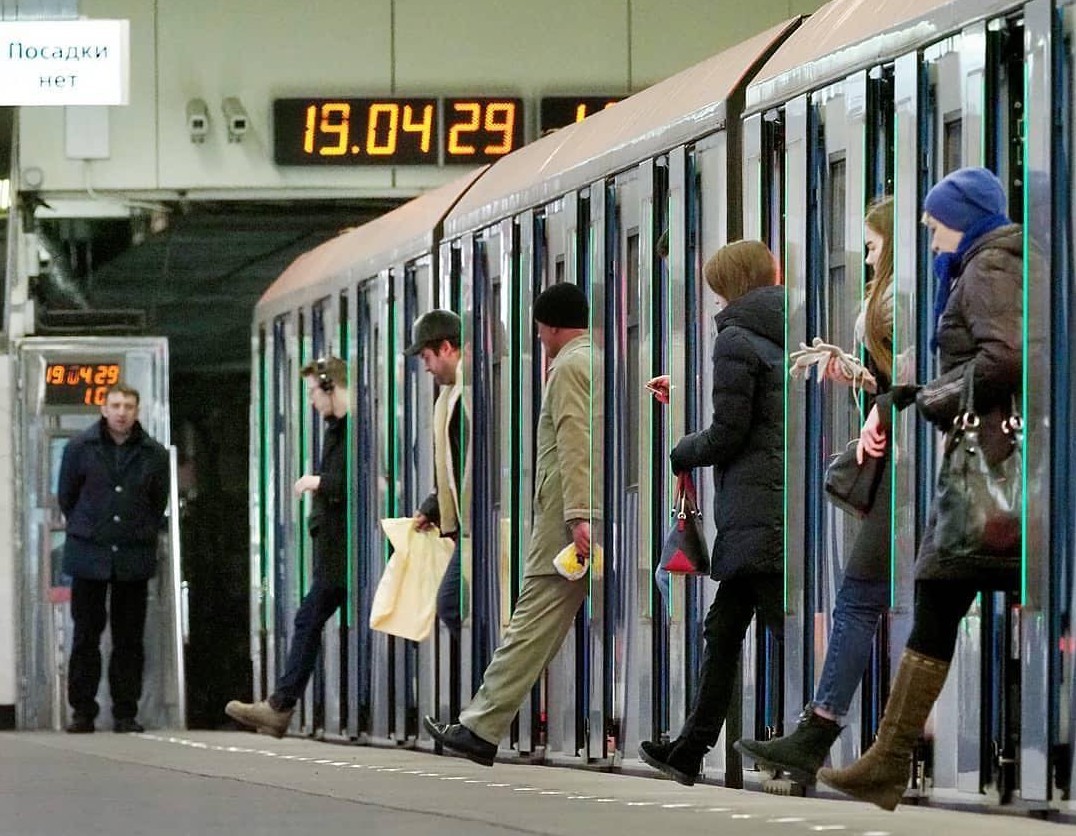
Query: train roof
(399, 235)
(676, 110)
(849, 35)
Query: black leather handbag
(978, 503)
(852, 486)
(685, 552)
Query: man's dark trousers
(317, 607)
(126, 614)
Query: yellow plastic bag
(568, 564)
(405, 603)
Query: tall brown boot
(881, 775)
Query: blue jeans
(317, 607)
(450, 595)
(860, 604)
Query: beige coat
(454, 508)
(563, 469)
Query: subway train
(785, 137)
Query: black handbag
(684, 552)
(978, 504)
(852, 486)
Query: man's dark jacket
(113, 498)
(328, 513)
(745, 441)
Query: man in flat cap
(435, 338)
(563, 508)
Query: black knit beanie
(562, 305)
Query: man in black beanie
(563, 509)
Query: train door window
(631, 274)
(836, 205)
(558, 269)
(952, 141)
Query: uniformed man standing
(563, 509)
(113, 491)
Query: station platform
(234, 783)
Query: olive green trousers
(544, 613)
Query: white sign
(65, 62)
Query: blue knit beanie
(965, 197)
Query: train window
(632, 294)
(835, 228)
(558, 270)
(952, 142)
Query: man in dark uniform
(326, 387)
(113, 490)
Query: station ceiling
(199, 270)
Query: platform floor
(236, 784)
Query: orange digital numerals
(495, 119)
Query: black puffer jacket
(983, 322)
(745, 441)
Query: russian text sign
(64, 62)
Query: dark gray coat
(983, 322)
(113, 505)
(745, 440)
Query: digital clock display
(558, 111)
(482, 130)
(80, 384)
(395, 131)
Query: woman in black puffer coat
(745, 446)
(978, 319)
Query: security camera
(235, 117)
(197, 120)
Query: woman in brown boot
(978, 319)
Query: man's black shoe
(125, 725)
(80, 725)
(461, 739)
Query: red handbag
(685, 552)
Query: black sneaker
(126, 725)
(461, 739)
(80, 725)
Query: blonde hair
(878, 322)
(739, 268)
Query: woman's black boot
(800, 754)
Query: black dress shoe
(126, 725)
(461, 739)
(80, 725)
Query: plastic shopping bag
(405, 603)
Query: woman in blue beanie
(978, 318)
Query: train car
(785, 137)
(881, 98)
(355, 297)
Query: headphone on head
(321, 369)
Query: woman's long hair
(878, 324)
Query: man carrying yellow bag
(405, 603)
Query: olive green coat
(562, 481)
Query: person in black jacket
(113, 490)
(978, 319)
(745, 446)
(326, 385)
